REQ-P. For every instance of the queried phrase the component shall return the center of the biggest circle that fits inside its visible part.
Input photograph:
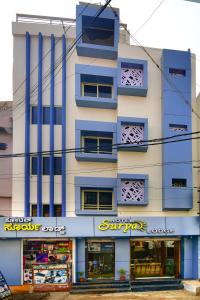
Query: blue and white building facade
(93, 180)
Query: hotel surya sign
(25, 224)
(126, 224)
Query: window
(177, 182)
(132, 189)
(3, 146)
(174, 127)
(97, 199)
(132, 77)
(132, 134)
(46, 115)
(45, 210)
(98, 31)
(97, 90)
(34, 165)
(177, 72)
(46, 165)
(58, 115)
(101, 145)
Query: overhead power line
(59, 61)
(170, 82)
(144, 143)
(151, 15)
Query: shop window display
(47, 262)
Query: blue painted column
(80, 256)
(10, 260)
(122, 257)
(39, 128)
(27, 129)
(63, 126)
(188, 259)
(195, 250)
(52, 81)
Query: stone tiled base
(192, 286)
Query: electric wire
(60, 59)
(142, 143)
(151, 15)
(170, 82)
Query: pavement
(162, 295)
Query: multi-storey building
(106, 182)
(5, 163)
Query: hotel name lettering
(122, 224)
(25, 224)
(126, 224)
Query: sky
(174, 25)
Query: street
(161, 295)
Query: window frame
(48, 159)
(97, 85)
(94, 128)
(46, 118)
(92, 184)
(98, 197)
(124, 177)
(45, 204)
(98, 144)
(179, 180)
(132, 121)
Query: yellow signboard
(124, 226)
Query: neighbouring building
(5, 163)
(94, 194)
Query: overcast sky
(175, 25)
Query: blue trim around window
(93, 50)
(132, 90)
(94, 182)
(121, 177)
(109, 73)
(27, 129)
(132, 121)
(96, 129)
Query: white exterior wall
(128, 106)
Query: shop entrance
(100, 260)
(155, 258)
(47, 261)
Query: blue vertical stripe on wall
(195, 252)
(27, 128)
(51, 210)
(63, 126)
(175, 111)
(39, 127)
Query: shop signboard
(26, 224)
(5, 292)
(125, 225)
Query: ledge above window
(96, 87)
(132, 77)
(95, 140)
(132, 189)
(132, 132)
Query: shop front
(155, 257)
(55, 251)
(47, 261)
(100, 259)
